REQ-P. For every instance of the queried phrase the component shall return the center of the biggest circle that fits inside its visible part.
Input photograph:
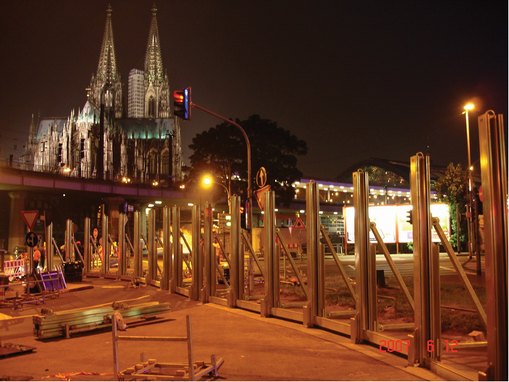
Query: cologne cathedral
(103, 140)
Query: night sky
(354, 79)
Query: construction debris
(68, 376)
(51, 324)
(164, 371)
(477, 335)
(9, 350)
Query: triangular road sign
(299, 224)
(30, 217)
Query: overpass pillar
(16, 225)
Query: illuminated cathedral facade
(103, 140)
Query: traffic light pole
(248, 147)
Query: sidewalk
(253, 347)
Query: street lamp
(469, 107)
(248, 151)
(207, 181)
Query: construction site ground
(253, 347)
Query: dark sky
(354, 79)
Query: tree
(381, 177)
(452, 187)
(221, 151)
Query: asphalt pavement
(253, 347)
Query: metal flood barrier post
(151, 247)
(138, 256)
(196, 260)
(316, 299)
(236, 283)
(209, 277)
(87, 248)
(426, 268)
(69, 248)
(49, 247)
(177, 249)
(121, 249)
(270, 257)
(105, 243)
(167, 268)
(494, 183)
(365, 265)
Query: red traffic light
(182, 103)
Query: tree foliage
(381, 177)
(452, 187)
(221, 151)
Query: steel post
(105, 243)
(276, 269)
(209, 256)
(87, 250)
(177, 249)
(426, 312)
(314, 306)
(270, 255)
(371, 278)
(494, 183)
(436, 319)
(151, 246)
(364, 316)
(197, 262)
(166, 274)
(69, 248)
(138, 256)
(121, 249)
(235, 290)
(50, 251)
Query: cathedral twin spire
(156, 89)
(153, 60)
(107, 70)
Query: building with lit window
(136, 94)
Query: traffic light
(409, 217)
(182, 103)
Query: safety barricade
(15, 268)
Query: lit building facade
(136, 94)
(99, 141)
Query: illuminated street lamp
(469, 107)
(207, 181)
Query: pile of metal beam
(51, 324)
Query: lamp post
(207, 181)
(248, 151)
(468, 107)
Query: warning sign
(299, 224)
(30, 217)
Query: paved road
(253, 347)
